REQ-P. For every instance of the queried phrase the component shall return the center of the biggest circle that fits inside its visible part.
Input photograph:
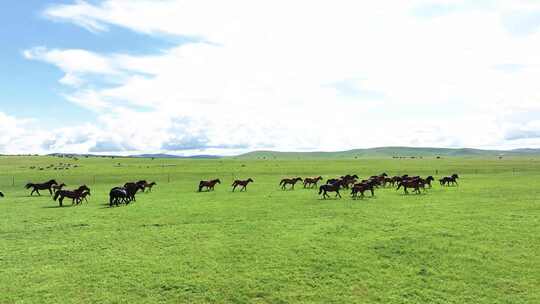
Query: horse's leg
(50, 191)
(61, 200)
(337, 193)
(37, 191)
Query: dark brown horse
(324, 189)
(242, 183)
(75, 195)
(361, 188)
(410, 183)
(289, 181)
(132, 189)
(44, 186)
(146, 186)
(449, 180)
(209, 185)
(310, 182)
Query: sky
(227, 77)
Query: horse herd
(118, 195)
(349, 182)
(126, 194)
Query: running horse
(289, 181)
(75, 195)
(311, 182)
(411, 183)
(449, 179)
(147, 187)
(44, 186)
(242, 183)
(324, 189)
(361, 188)
(209, 185)
(118, 195)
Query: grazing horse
(44, 186)
(58, 187)
(118, 195)
(449, 179)
(412, 184)
(289, 181)
(361, 188)
(241, 183)
(329, 188)
(312, 182)
(75, 195)
(1, 194)
(209, 185)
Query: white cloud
(303, 74)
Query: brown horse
(146, 186)
(209, 185)
(75, 195)
(361, 188)
(312, 182)
(411, 183)
(289, 181)
(324, 189)
(44, 186)
(241, 183)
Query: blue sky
(175, 76)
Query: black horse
(76, 195)
(449, 180)
(118, 195)
(44, 186)
(329, 188)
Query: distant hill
(160, 155)
(403, 152)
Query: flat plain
(478, 242)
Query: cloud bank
(302, 75)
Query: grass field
(476, 243)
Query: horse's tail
(321, 189)
(29, 185)
(233, 184)
(56, 195)
(281, 182)
(111, 198)
(399, 186)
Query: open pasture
(475, 243)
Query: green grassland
(475, 243)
